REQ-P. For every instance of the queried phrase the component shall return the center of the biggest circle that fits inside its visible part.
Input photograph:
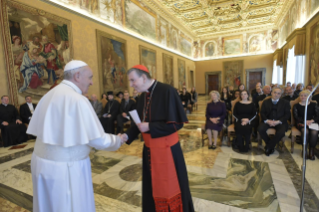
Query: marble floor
(220, 180)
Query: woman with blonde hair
(215, 115)
(312, 117)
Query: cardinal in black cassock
(165, 182)
(12, 130)
(111, 110)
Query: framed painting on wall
(37, 45)
(148, 59)
(181, 73)
(112, 62)
(314, 54)
(233, 73)
(168, 69)
(232, 45)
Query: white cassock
(66, 127)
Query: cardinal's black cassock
(165, 181)
(13, 133)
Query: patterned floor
(220, 180)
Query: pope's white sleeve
(107, 142)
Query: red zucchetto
(141, 67)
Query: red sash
(165, 184)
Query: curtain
(277, 74)
(295, 67)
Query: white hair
(68, 75)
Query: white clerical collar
(72, 85)
(5, 105)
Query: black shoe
(213, 146)
(269, 151)
(210, 147)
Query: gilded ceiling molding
(201, 24)
(187, 6)
(196, 16)
(229, 19)
(256, 4)
(264, 20)
(284, 9)
(166, 15)
(261, 13)
(214, 2)
(232, 9)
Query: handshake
(123, 137)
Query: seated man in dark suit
(266, 92)
(135, 95)
(274, 114)
(97, 106)
(127, 105)
(27, 109)
(12, 130)
(290, 94)
(254, 91)
(315, 96)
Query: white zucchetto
(74, 64)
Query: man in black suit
(254, 91)
(315, 96)
(274, 114)
(135, 95)
(27, 109)
(266, 92)
(127, 105)
(290, 94)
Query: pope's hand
(123, 137)
(143, 127)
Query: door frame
(263, 75)
(219, 73)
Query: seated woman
(215, 115)
(236, 95)
(244, 113)
(185, 97)
(241, 87)
(225, 97)
(312, 117)
(299, 88)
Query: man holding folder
(165, 182)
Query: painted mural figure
(18, 52)
(209, 50)
(31, 69)
(49, 52)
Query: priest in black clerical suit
(162, 115)
(27, 109)
(12, 130)
(274, 113)
(110, 113)
(290, 94)
(127, 105)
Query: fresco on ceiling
(135, 16)
(140, 20)
(256, 43)
(148, 59)
(168, 69)
(232, 46)
(186, 47)
(197, 53)
(210, 49)
(163, 32)
(39, 44)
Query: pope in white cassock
(66, 127)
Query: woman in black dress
(185, 97)
(225, 97)
(215, 115)
(193, 96)
(312, 117)
(244, 113)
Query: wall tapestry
(37, 46)
(181, 73)
(168, 69)
(112, 62)
(233, 73)
(148, 59)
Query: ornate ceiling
(208, 18)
